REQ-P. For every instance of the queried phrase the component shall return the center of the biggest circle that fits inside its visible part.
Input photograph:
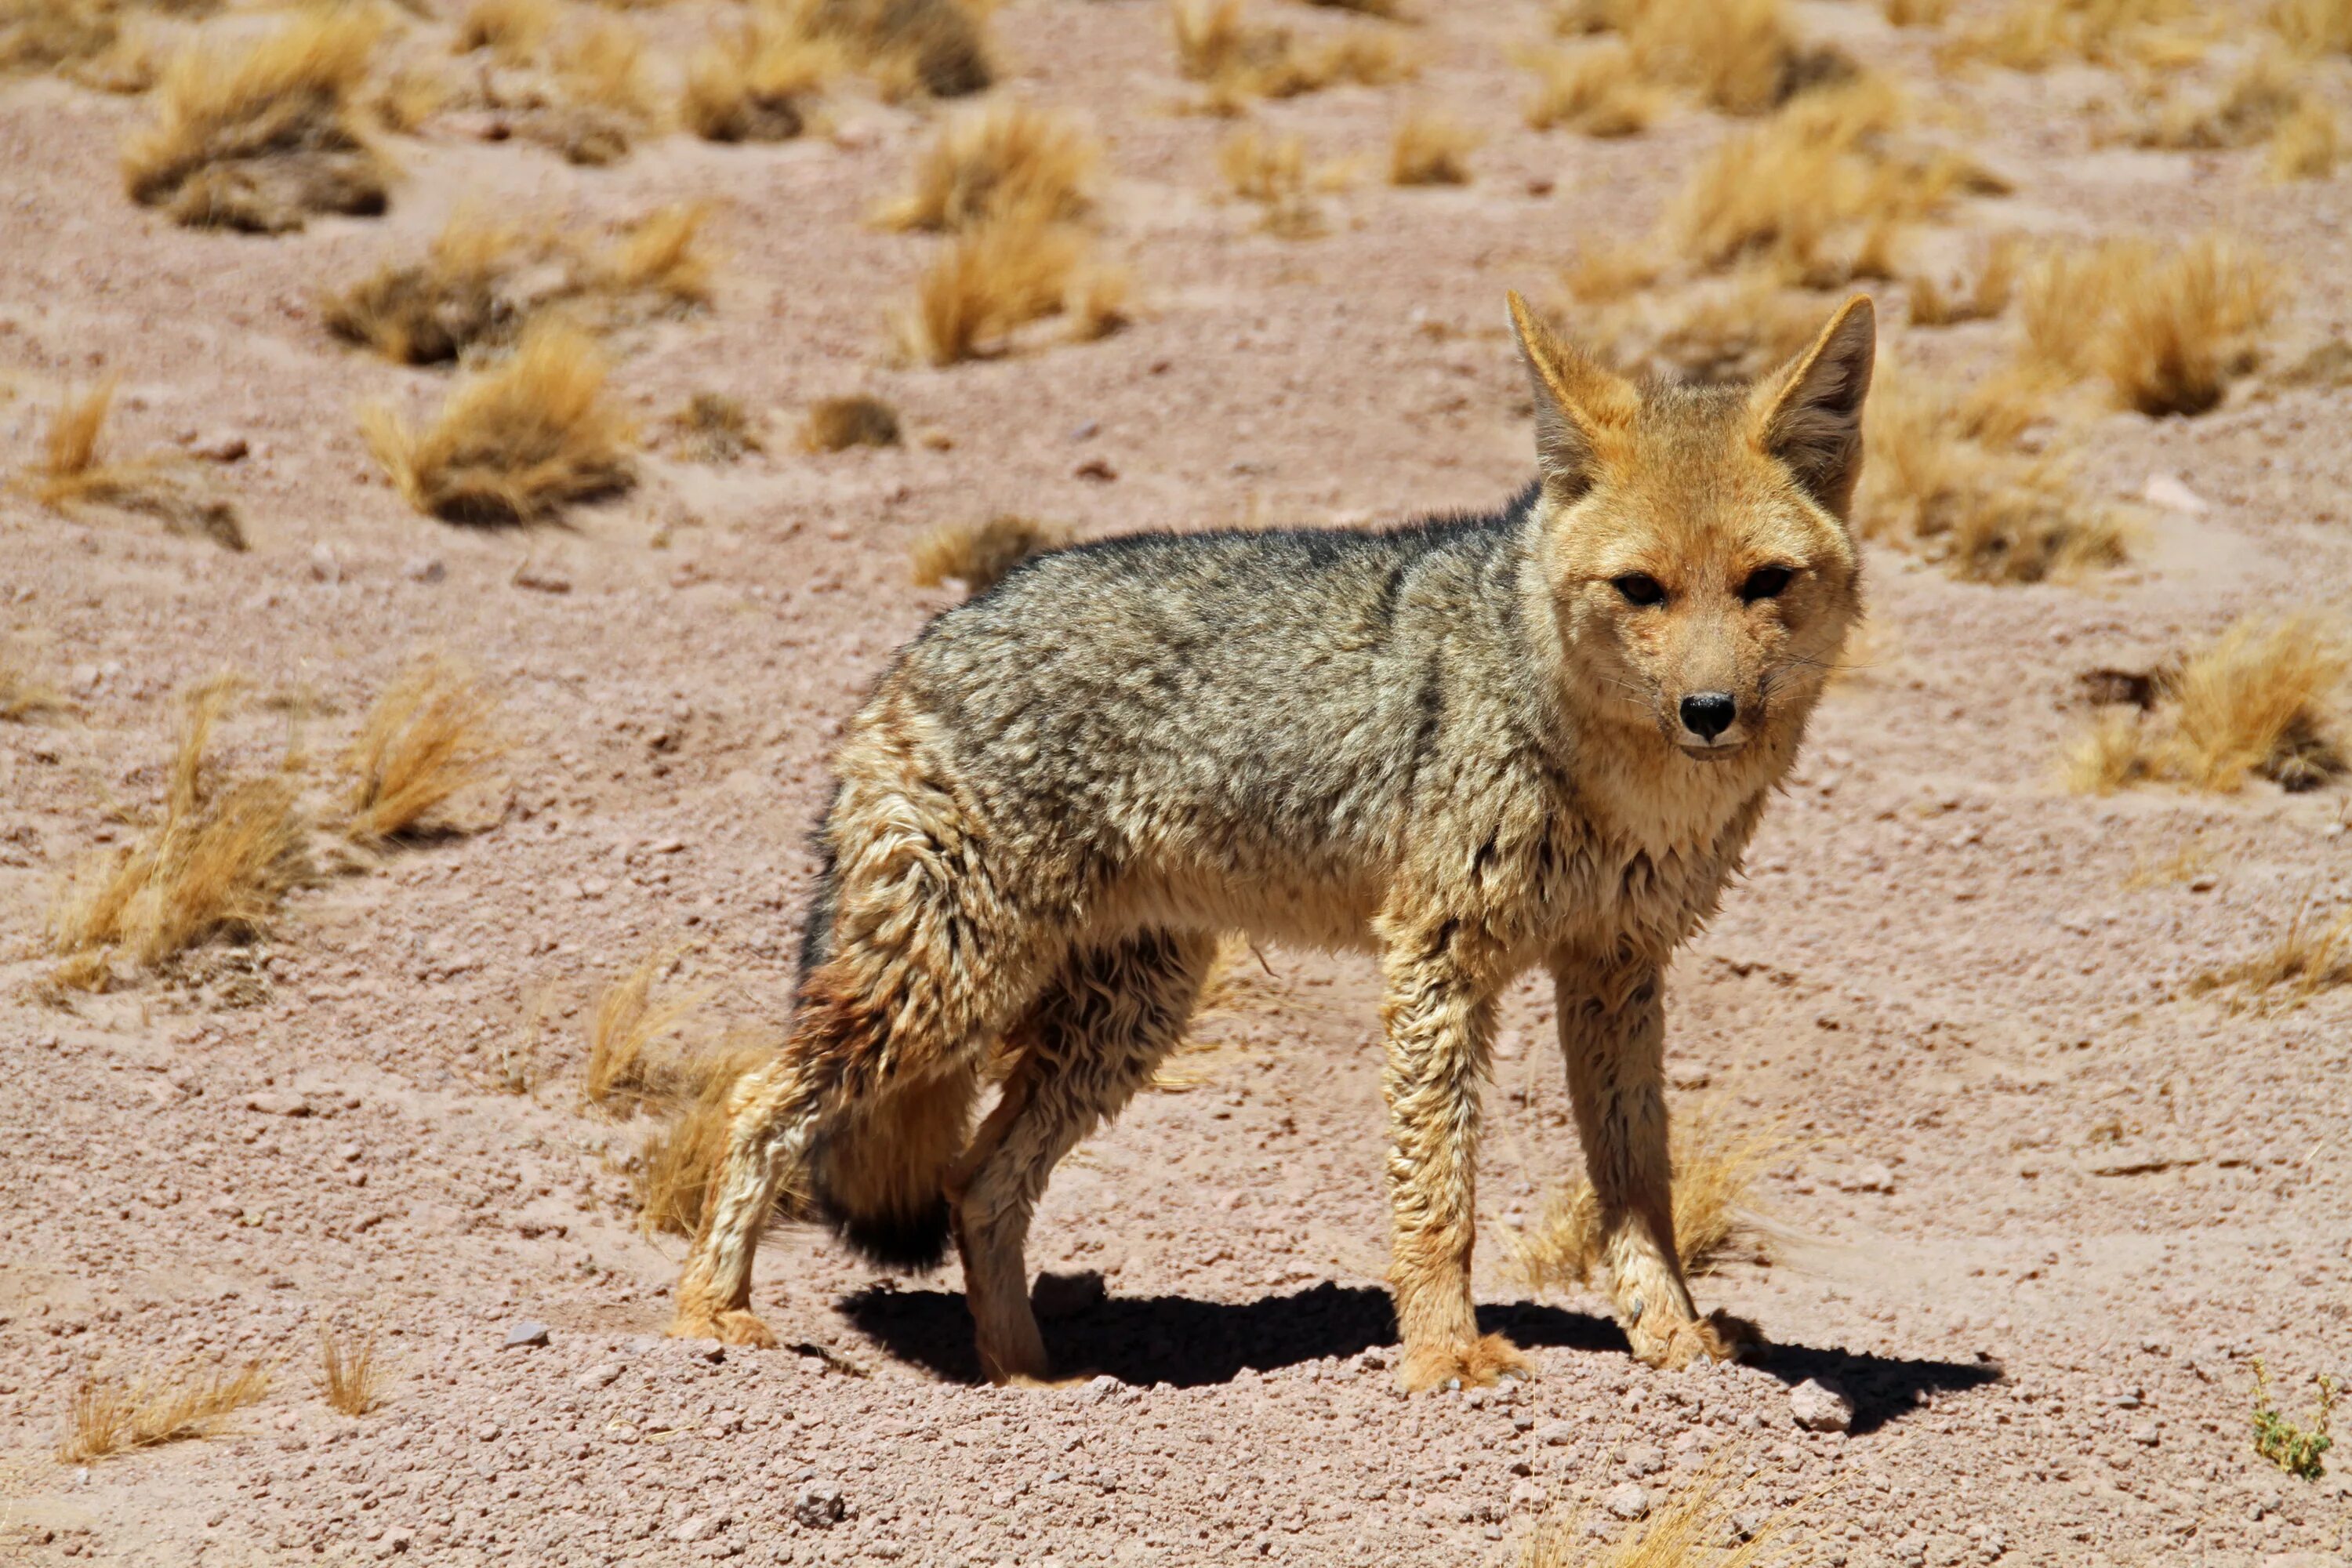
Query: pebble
(820, 1505)
(1643, 1460)
(601, 1376)
(1818, 1407)
(526, 1335)
(424, 569)
(1627, 1500)
(1556, 1433)
(274, 1104)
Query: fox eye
(1765, 583)
(1639, 588)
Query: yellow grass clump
(260, 134)
(1272, 172)
(755, 84)
(674, 1168)
(716, 428)
(2308, 143)
(350, 1379)
(1935, 483)
(429, 312)
(936, 47)
(74, 472)
(2307, 958)
(2166, 332)
(985, 283)
(218, 864)
(2259, 100)
(606, 98)
(113, 1415)
(513, 30)
(1429, 149)
(85, 40)
(1738, 56)
(1715, 332)
(2035, 35)
(837, 423)
(1715, 1170)
(516, 443)
(626, 1070)
(2263, 699)
(1593, 90)
(1693, 1530)
(1237, 60)
(1981, 299)
(978, 554)
(2313, 26)
(1008, 160)
(661, 257)
(429, 739)
(24, 697)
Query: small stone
(324, 567)
(525, 1336)
(1871, 1178)
(1103, 1387)
(424, 569)
(1643, 1460)
(2166, 491)
(1556, 1433)
(272, 1104)
(541, 579)
(1627, 1500)
(1096, 469)
(700, 1527)
(601, 1376)
(221, 446)
(1817, 1408)
(820, 1505)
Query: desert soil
(2042, 1211)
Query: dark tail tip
(912, 1243)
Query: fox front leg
(1613, 1034)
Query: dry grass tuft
(606, 98)
(260, 135)
(1740, 55)
(978, 554)
(662, 257)
(1592, 90)
(755, 84)
(1915, 13)
(2307, 144)
(1934, 483)
(513, 30)
(715, 428)
(112, 1416)
(1272, 172)
(937, 48)
(1429, 149)
(2259, 100)
(1006, 161)
(85, 41)
(433, 311)
(1714, 1175)
(837, 423)
(1237, 60)
(428, 739)
(24, 697)
(626, 1071)
(674, 1168)
(348, 1377)
(1934, 304)
(1821, 192)
(516, 443)
(74, 472)
(218, 864)
(1605, 274)
(987, 283)
(2305, 960)
(2035, 35)
(1686, 1531)
(2168, 334)
(1717, 332)
(2313, 26)
(2264, 699)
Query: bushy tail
(878, 1174)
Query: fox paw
(733, 1326)
(1476, 1364)
(1671, 1346)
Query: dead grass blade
(1236, 59)
(624, 1072)
(1715, 1170)
(260, 135)
(516, 443)
(675, 1167)
(1691, 1529)
(74, 472)
(978, 555)
(513, 30)
(112, 1416)
(427, 740)
(2307, 958)
(350, 1379)
(24, 698)
(1272, 172)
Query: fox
(1469, 745)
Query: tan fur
(1508, 754)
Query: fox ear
(1809, 414)
(1577, 403)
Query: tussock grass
(24, 697)
(1009, 160)
(1691, 1529)
(935, 48)
(74, 473)
(2305, 959)
(85, 40)
(716, 428)
(628, 1068)
(1272, 172)
(2166, 331)
(429, 739)
(1978, 299)
(2308, 143)
(113, 1415)
(2263, 699)
(1715, 1170)
(605, 97)
(755, 84)
(674, 1168)
(978, 555)
(513, 30)
(516, 443)
(662, 257)
(350, 1378)
(1821, 192)
(2259, 98)
(985, 283)
(1606, 273)
(1742, 56)
(837, 423)
(1593, 90)
(1236, 59)
(262, 133)
(2313, 26)
(1429, 148)
(218, 864)
(1933, 482)
(2035, 35)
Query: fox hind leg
(1103, 1025)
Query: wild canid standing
(1470, 745)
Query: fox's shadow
(1179, 1341)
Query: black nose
(1707, 714)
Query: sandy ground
(2043, 1211)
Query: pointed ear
(1808, 416)
(1577, 404)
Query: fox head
(1694, 547)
